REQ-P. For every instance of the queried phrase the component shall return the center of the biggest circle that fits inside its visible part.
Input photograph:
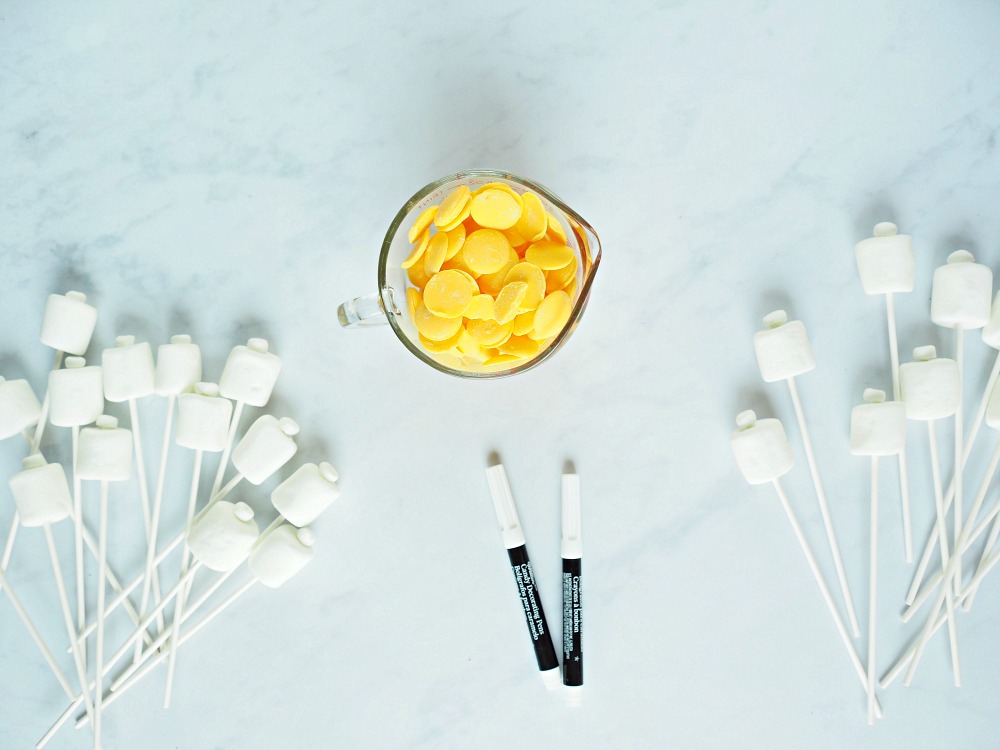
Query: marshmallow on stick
(783, 352)
(960, 299)
(764, 456)
(931, 391)
(877, 429)
(41, 494)
(887, 266)
(178, 368)
(105, 456)
(991, 337)
(77, 398)
(67, 326)
(19, 410)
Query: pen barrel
(531, 604)
(572, 622)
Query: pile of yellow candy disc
(493, 278)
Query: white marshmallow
(930, 387)
(19, 407)
(886, 262)
(993, 408)
(178, 366)
(991, 332)
(41, 492)
(265, 448)
(128, 370)
(223, 537)
(281, 554)
(961, 292)
(250, 373)
(878, 428)
(783, 349)
(761, 448)
(76, 394)
(68, 322)
(306, 494)
(105, 451)
(203, 419)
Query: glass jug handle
(362, 312)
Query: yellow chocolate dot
(492, 283)
(441, 346)
(413, 300)
(417, 275)
(548, 255)
(520, 346)
(524, 322)
(422, 222)
(435, 254)
(533, 220)
(458, 219)
(447, 295)
(418, 251)
(552, 314)
(501, 360)
(472, 282)
(495, 209)
(456, 238)
(515, 238)
(488, 332)
(485, 251)
(433, 327)
(555, 229)
(509, 301)
(532, 275)
(481, 308)
(560, 278)
(499, 186)
(452, 206)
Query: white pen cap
(572, 544)
(503, 502)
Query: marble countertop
(229, 169)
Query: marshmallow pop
(178, 368)
(887, 265)
(105, 456)
(931, 390)
(764, 456)
(42, 497)
(19, 410)
(248, 377)
(783, 352)
(877, 429)
(67, 326)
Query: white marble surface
(228, 169)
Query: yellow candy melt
(434, 327)
(459, 219)
(549, 255)
(417, 275)
(481, 308)
(488, 332)
(422, 222)
(533, 220)
(452, 206)
(448, 295)
(501, 359)
(418, 251)
(456, 238)
(492, 283)
(486, 251)
(508, 302)
(495, 209)
(435, 254)
(561, 278)
(520, 346)
(533, 277)
(552, 314)
(524, 322)
(555, 229)
(413, 300)
(437, 347)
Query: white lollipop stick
(35, 635)
(959, 454)
(969, 444)
(872, 588)
(983, 562)
(943, 542)
(224, 458)
(36, 441)
(81, 591)
(15, 524)
(904, 480)
(102, 554)
(825, 591)
(824, 508)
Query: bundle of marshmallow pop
(926, 390)
(217, 538)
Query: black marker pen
(524, 576)
(572, 552)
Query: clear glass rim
(391, 309)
